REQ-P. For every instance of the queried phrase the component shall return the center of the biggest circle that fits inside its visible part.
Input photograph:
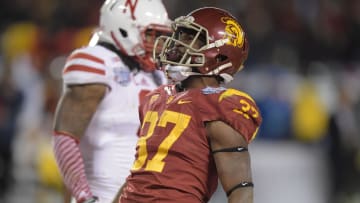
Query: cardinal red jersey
(173, 160)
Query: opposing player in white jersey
(97, 115)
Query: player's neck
(199, 82)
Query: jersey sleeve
(84, 66)
(240, 111)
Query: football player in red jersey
(195, 131)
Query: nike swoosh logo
(183, 101)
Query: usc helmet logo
(234, 32)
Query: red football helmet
(225, 47)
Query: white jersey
(108, 146)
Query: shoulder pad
(240, 111)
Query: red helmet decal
(132, 7)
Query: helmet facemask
(182, 52)
(148, 38)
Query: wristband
(93, 199)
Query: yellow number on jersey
(181, 122)
(246, 108)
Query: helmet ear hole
(123, 32)
(220, 58)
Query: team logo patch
(122, 76)
(212, 90)
(234, 32)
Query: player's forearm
(245, 195)
(237, 179)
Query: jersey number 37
(152, 117)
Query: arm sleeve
(70, 163)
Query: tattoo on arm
(77, 106)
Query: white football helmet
(127, 24)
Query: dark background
(303, 70)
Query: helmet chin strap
(227, 78)
(180, 73)
(220, 68)
(217, 43)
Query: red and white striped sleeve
(84, 66)
(70, 163)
